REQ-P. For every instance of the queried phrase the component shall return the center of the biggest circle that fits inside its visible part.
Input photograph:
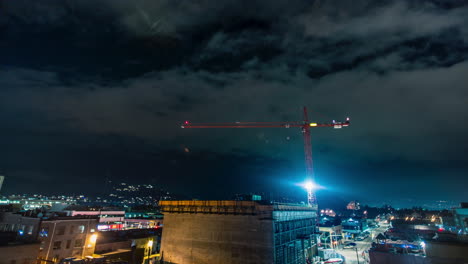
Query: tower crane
(305, 126)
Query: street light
(150, 248)
(93, 238)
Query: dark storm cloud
(138, 68)
(325, 37)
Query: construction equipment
(305, 125)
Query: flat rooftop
(229, 207)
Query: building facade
(353, 227)
(331, 236)
(108, 220)
(237, 232)
(26, 228)
(65, 237)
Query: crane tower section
(305, 126)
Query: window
(30, 229)
(79, 243)
(68, 244)
(57, 244)
(81, 229)
(44, 232)
(71, 229)
(61, 230)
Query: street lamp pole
(149, 253)
(357, 255)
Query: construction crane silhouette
(305, 125)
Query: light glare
(310, 186)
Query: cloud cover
(137, 69)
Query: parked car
(360, 238)
(334, 260)
(349, 245)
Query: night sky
(92, 91)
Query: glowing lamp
(310, 186)
(150, 243)
(313, 124)
(93, 238)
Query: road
(350, 254)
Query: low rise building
(461, 218)
(103, 215)
(65, 237)
(331, 234)
(133, 246)
(142, 223)
(353, 227)
(26, 228)
(109, 220)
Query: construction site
(256, 232)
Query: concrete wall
(190, 238)
(20, 254)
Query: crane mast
(305, 125)
(311, 200)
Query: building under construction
(213, 232)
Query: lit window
(44, 232)
(81, 229)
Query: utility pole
(357, 255)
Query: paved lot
(350, 254)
